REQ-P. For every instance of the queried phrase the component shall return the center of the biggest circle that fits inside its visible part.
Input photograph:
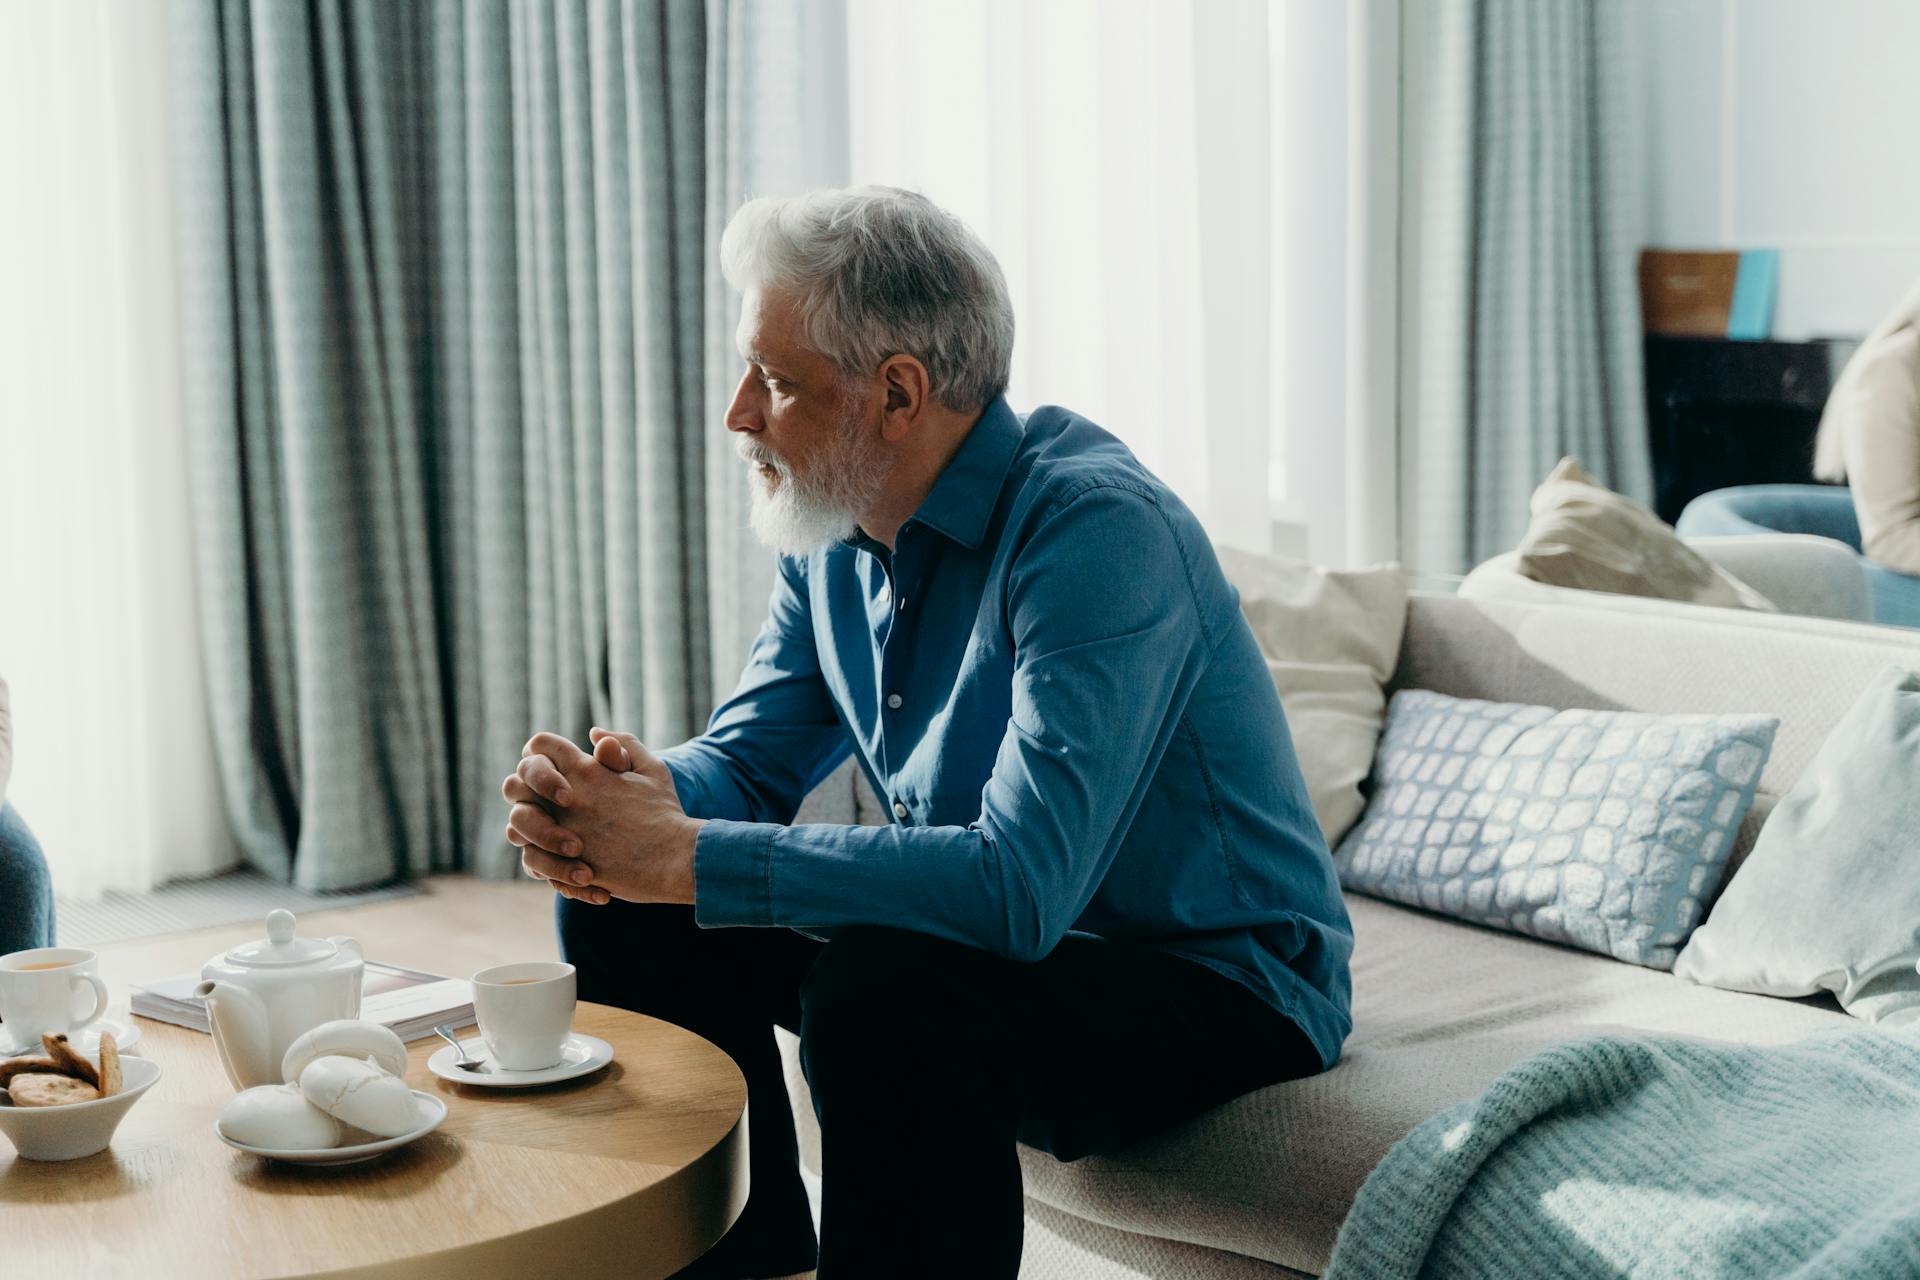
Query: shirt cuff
(733, 873)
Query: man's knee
(881, 999)
(625, 949)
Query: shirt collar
(962, 500)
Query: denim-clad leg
(26, 888)
(730, 986)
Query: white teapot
(264, 994)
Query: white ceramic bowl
(79, 1128)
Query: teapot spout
(240, 1033)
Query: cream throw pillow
(1331, 640)
(1827, 900)
(1586, 536)
(1870, 437)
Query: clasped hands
(602, 825)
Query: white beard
(798, 515)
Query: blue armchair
(1823, 510)
(26, 890)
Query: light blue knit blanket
(1655, 1157)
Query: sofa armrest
(1799, 572)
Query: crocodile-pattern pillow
(1605, 830)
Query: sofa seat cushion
(1440, 1009)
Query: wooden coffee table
(635, 1170)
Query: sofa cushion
(1587, 536)
(1827, 901)
(1440, 1009)
(1331, 638)
(1602, 829)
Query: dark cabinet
(1722, 412)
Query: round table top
(634, 1170)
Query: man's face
(805, 429)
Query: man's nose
(744, 413)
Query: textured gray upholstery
(1059, 1246)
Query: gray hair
(878, 272)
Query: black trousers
(928, 1060)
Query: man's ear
(905, 382)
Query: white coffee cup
(525, 1012)
(41, 991)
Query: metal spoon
(445, 1032)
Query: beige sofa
(1258, 1188)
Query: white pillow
(1828, 899)
(1331, 640)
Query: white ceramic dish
(126, 1034)
(432, 1112)
(79, 1128)
(580, 1056)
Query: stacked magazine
(409, 1002)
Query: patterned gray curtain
(1527, 320)
(447, 316)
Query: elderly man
(1102, 904)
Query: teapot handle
(348, 944)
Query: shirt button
(899, 811)
(894, 700)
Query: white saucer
(581, 1055)
(126, 1034)
(432, 1112)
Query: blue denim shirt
(1052, 687)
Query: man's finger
(529, 824)
(544, 779)
(612, 755)
(515, 791)
(562, 750)
(553, 867)
(634, 753)
(592, 894)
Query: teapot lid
(280, 949)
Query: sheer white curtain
(113, 760)
(1120, 157)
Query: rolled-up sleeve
(1109, 641)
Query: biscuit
(20, 1066)
(111, 1079)
(37, 1090)
(61, 1050)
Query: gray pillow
(1829, 900)
(1606, 830)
